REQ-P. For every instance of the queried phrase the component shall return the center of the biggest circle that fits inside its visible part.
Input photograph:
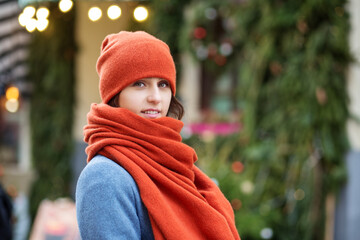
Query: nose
(154, 95)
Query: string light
(114, 12)
(42, 13)
(12, 99)
(65, 5)
(22, 19)
(12, 93)
(141, 14)
(94, 14)
(31, 25)
(27, 14)
(29, 11)
(27, 18)
(12, 105)
(33, 19)
(41, 24)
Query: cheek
(128, 101)
(167, 100)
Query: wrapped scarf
(182, 202)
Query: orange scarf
(182, 202)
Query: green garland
(208, 34)
(51, 66)
(292, 58)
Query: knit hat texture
(129, 56)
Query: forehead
(153, 79)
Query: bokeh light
(299, 194)
(200, 32)
(65, 5)
(23, 19)
(247, 187)
(29, 11)
(12, 105)
(12, 93)
(42, 24)
(31, 25)
(141, 14)
(94, 14)
(114, 12)
(42, 13)
(266, 233)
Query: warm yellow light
(140, 14)
(12, 105)
(31, 25)
(42, 13)
(114, 12)
(94, 14)
(12, 93)
(23, 19)
(42, 24)
(65, 5)
(29, 11)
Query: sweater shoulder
(108, 203)
(102, 169)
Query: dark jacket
(6, 209)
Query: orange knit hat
(129, 56)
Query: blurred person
(6, 209)
(21, 217)
(140, 181)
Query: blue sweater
(108, 203)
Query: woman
(140, 181)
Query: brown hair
(176, 109)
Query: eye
(138, 84)
(163, 84)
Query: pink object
(216, 128)
(56, 220)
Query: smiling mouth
(151, 112)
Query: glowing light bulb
(42, 24)
(65, 5)
(94, 14)
(31, 25)
(12, 93)
(141, 14)
(12, 105)
(23, 19)
(114, 12)
(29, 11)
(42, 13)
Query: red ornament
(237, 167)
(200, 33)
(236, 204)
(220, 60)
(321, 96)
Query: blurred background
(271, 91)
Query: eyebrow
(148, 79)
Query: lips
(152, 113)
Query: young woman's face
(149, 97)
